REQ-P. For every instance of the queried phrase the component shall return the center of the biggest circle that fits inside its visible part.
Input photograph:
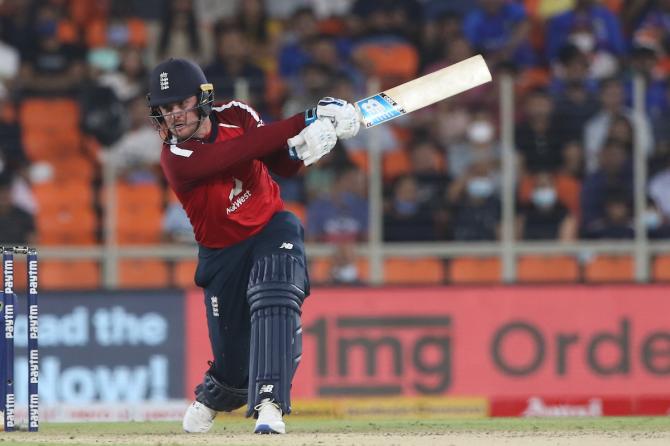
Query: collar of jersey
(215, 128)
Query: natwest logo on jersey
(236, 197)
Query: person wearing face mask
(590, 26)
(545, 217)
(476, 206)
(657, 226)
(481, 144)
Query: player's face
(181, 118)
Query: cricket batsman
(251, 257)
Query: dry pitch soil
(540, 432)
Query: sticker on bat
(378, 108)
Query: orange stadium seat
(396, 163)
(547, 269)
(610, 268)
(393, 63)
(66, 224)
(136, 197)
(49, 145)
(360, 158)
(143, 273)
(661, 268)
(73, 168)
(139, 226)
(183, 273)
(422, 271)
(69, 274)
(49, 114)
(55, 195)
(466, 270)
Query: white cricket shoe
(198, 418)
(269, 418)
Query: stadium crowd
(73, 80)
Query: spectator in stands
(653, 28)
(658, 226)
(129, 80)
(232, 65)
(137, 154)
(573, 107)
(385, 19)
(593, 29)
(251, 16)
(614, 173)
(315, 82)
(18, 226)
(572, 67)
(537, 139)
(294, 52)
(659, 188)
(438, 33)
(597, 129)
(481, 145)
(406, 218)
(644, 62)
(572, 156)
(176, 227)
(427, 168)
(320, 179)
(500, 30)
(617, 221)
(476, 206)
(343, 215)
(181, 36)
(12, 152)
(545, 217)
(116, 27)
(9, 60)
(49, 66)
(344, 270)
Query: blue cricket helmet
(174, 80)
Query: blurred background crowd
(73, 79)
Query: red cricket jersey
(223, 183)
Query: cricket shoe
(269, 418)
(198, 418)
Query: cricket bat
(423, 91)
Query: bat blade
(423, 91)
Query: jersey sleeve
(186, 164)
(282, 164)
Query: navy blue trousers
(224, 276)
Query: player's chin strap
(277, 288)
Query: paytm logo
(383, 355)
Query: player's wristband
(310, 116)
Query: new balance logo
(286, 245)
(266, 388)
(215, 306)
(163, 81)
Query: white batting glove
(313, 142)
(342, 114)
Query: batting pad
(276, 348)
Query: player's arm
(282, 164)
(193, 161)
